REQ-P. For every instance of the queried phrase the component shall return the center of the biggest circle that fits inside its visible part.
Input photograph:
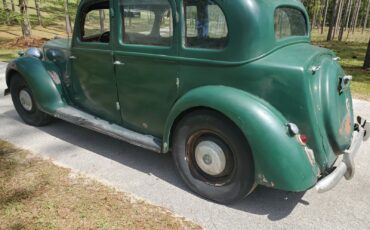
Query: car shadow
(275, 204)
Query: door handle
(72, 57)
(118, 63)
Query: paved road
(153, 177)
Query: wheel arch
(277, 155)
(47, 89)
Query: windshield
(289, 22)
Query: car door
(145, 63)
(93, 85)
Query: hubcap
(26, 100)
(210, 158)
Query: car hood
(62, 43)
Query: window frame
(291, 36)
(79, 27)
(83, 23)
(183, 32)
(146, 47)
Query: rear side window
(147, 22)
(289, 22)
(205, 25)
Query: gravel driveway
(153, 177)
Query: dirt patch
(23, 43)
(36, 194)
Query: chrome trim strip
(83, 119)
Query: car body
(246, 63)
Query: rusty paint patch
(264, 181)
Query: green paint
(258, 82)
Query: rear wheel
(213, 157)
(24, 103)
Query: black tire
(237, 178)
(33, 116)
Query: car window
(147, 22)
(206, 25)
(289, 22)
(96, 23)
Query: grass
(36, 194)
(7, 54)
(352, 56)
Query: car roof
(250, 26)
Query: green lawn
(352, 56)
(7, 54)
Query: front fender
(43, 79)
(280, 160)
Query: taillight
(303, 139)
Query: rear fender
(43, 79)
(280, 160)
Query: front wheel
(24, 103)
(213, 157)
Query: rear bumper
(346, 168)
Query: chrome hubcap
(210, 158)
(26, 100)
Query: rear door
(93, 84)
(145, 63)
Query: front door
(93, 85)
(145, 63)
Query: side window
(206, 25)
(96, 24)
(289, 22)
(147, 22)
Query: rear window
(289, 22)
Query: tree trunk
(338, 18)
(333, 20)
(349, 15)
(13, 5)
(7, 12)
(314, 14)
(366, 16)
(68, 18)
(356, 16)
(325, 15)
(343, 23)
(101, 19)
(25, 22)
(367, 58)
(38, 12)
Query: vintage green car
(234, 89)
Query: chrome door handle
(118, 63)
(72, 57)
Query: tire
(29, 112)
(225, 182)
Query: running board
(86, 120)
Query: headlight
(34, 52)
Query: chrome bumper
(346, 168)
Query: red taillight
(303, 138)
